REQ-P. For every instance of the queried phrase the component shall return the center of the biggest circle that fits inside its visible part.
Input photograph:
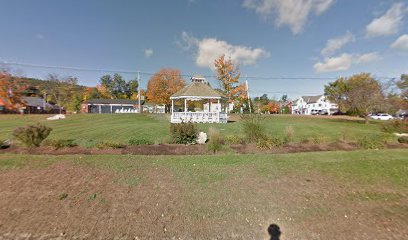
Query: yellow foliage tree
(228, 75)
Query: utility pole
(249, 99)
(138, 91)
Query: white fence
(199, 117)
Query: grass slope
(91, 128)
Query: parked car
(382, 116)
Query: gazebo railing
(199, 117)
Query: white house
(313, 105)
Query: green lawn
(89, 129)
(339, 195)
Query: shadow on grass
(274, 231)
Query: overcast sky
(269, 39)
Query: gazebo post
(185, 109)
(172, 106)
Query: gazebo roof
(197, 90)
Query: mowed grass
(89, 129)
(325, 192)
(363, 166)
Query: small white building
(314, 105)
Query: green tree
(117, 87)
(358, 95)
(63, 91)
(402, 84)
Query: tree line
(360, 94)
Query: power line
(183, 75)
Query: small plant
(373, 141)
(110, 145)
(233, 139)
(403, 139)
(61, 143)
(269, 143)
(32, 135)
(92, 197)
(214, 144)
(137, 141)
(183, 133)
(319, 139)
(253, 127)
(63, 196)
(289, 134)
(345, 136)
(395, 126)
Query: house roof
(37, 102)
(311, 99)
(114, 101)
(198, 90)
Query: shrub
(269, 143)
(373, 141)
(345, 136)
(319, 139)
(315, 139)
(289, 134)
(32, 135)
(395, 126)
(61, 143)
(214, 143)
(110, 145)
(403, 139)
(183, 133)
(233, 139)
(137, 141)
(253, 127)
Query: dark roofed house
(36, 105)
(199, 90)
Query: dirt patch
(295, 148)
(164, 149)
(70, 201)
(66, 201)
(176, 149)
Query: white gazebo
(199, 90)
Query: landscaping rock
(202, 138)
(5, 144)
(57, 117)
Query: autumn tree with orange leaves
(11, 90)
(240, 94)
(163, 84)
(273, 107)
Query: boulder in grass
(57, 117)
(202, 138)
(5, 144)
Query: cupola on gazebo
(213, 107)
